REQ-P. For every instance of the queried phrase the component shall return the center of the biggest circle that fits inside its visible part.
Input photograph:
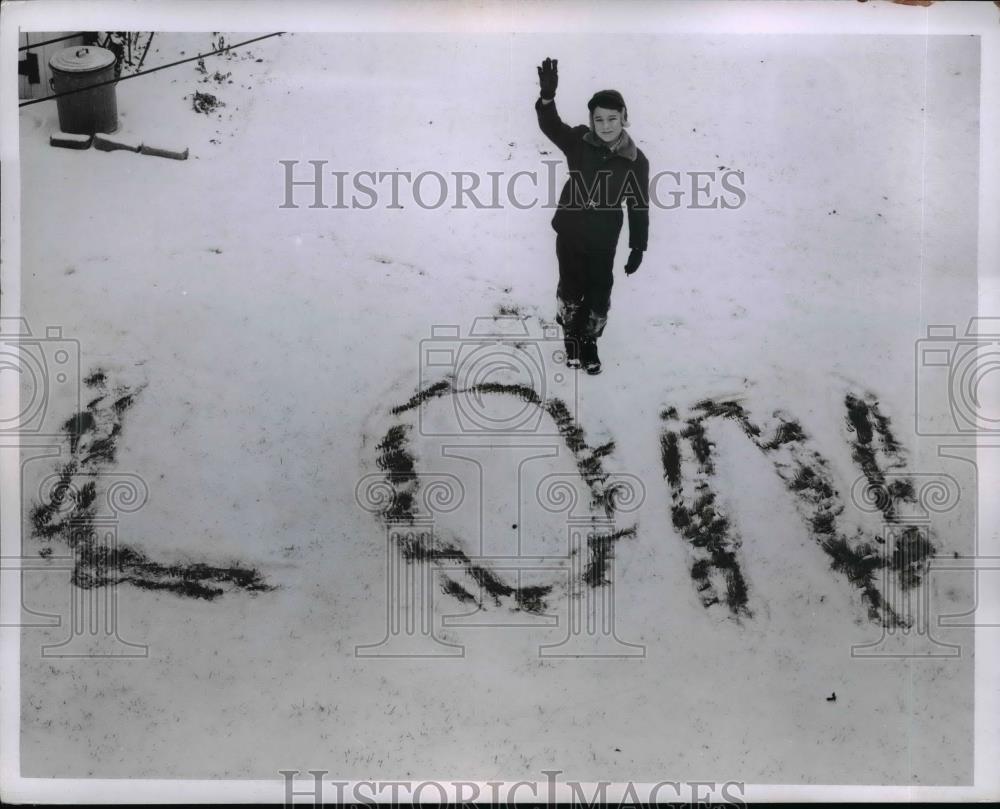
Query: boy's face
(607, 123)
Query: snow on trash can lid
(82, 59)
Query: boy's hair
(609, 100)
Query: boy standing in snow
(605, 169)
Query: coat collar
(625, 146)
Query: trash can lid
(82, 59)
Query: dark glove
(548, 77)
(634, 260)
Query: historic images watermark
(316, 788)
(310, 184)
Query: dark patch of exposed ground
(396, 459)
(806, 474)
(69, 512)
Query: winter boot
(572, 345)
(588, 356)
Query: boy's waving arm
(549, 122)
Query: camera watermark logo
(37, 368)
(47, 369)
(963, 371)
(85, 511)
(593, 532)
(573, 590)
(498, 355)
(907, 503)
(410, 578)
(514, 544)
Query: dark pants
(584, 291)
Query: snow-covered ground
(267, 346)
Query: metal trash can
(87, 111)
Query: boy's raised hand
(548, 78)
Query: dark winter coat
(590, 205)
